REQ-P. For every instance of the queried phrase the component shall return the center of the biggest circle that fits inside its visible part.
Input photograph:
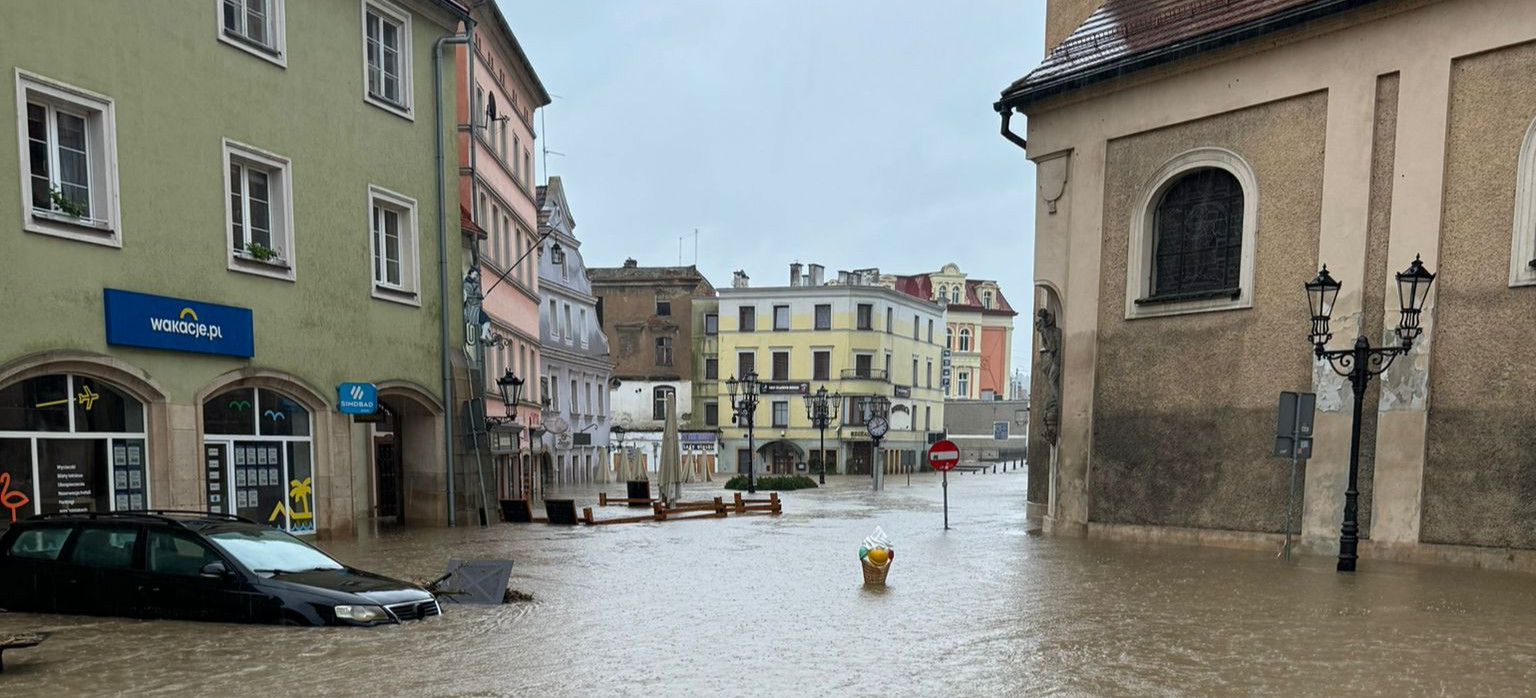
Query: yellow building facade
(855, 339)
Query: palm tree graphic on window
(299, 491)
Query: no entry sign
(943, 455)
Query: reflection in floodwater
(755, 606)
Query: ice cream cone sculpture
(875, 557)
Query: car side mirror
(215, 570)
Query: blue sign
(177, 324)
(357, 398)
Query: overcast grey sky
(850, 133)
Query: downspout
(1012, 137)
(442, 254)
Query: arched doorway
(71, 443)
(258, 457)
(406, 458)
(782, 457)
(388, 475)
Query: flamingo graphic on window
(12, 499)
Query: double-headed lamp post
(822, 408)
(744, 409)
(1358, 364)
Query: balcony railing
(865, 374)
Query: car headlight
(361, 614)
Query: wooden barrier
(604, 500)
(771, 505)
(692, 510)
(587, 518)
(682, 511)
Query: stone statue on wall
(1049, 365)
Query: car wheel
(293, 618)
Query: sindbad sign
(177, 324)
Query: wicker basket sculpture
(874, 575)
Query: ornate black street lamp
(511, 388)
(822, 407)
(745, 409)
(1358, 364)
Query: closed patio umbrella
(670, 469)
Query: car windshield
(272, 551)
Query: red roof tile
(920, 286)
(1124, 36)
(467, 223)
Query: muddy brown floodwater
(775, 607)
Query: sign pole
(1293, 438)
(1290, 507)
(943, 455)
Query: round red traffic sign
(943, 455)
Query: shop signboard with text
(176, 324)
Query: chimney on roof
(816, 271)
(630, 263)
(739, 279)
(794, 274)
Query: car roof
(181, 519)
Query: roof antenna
(680, 239)
(544, 131)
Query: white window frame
(277, 53)
(409, 290)
(778, 406)
(405, 108)
(1138, 269)
(280, 191)
(1522, 244)
(99, 111)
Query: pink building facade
(979, 322)
(498, 94)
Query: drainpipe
(442, 251)
(1010, 135)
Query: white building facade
(577, 365)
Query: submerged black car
(191, 566)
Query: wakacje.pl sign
(176, 324)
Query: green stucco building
(212, 214)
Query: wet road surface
(758, 606)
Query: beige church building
(1197, 163)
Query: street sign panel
(1293, 425)
(943, 456)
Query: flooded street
(775, 606)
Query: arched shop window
(70, 444)
(257, 460)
